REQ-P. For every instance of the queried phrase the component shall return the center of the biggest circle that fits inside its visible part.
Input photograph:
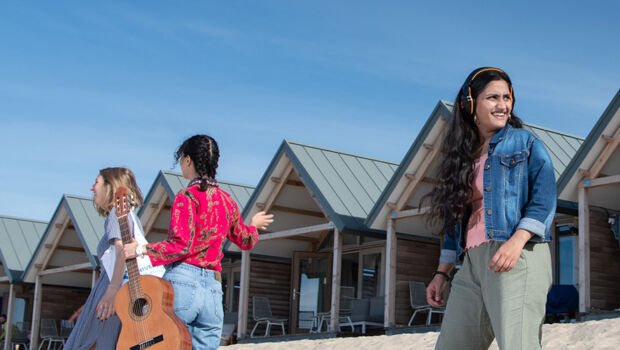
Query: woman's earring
(475, 120)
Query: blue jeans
(198, 303)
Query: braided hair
(204, 153)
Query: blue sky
(86, 85)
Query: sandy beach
(600, 335)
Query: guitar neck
(132, 264)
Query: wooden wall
(604, 265)
(416, 261)
(23, 291)
(271, 279)
(58, 303)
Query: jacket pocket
(512, 166)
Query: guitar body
(145, 304)
(149, 322)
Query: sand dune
(599, 335)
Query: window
(371, 275)
(565, 256)
(349, 274)
(362, 272)
(230, 288)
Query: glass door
(310, 290)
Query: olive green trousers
(509, 306)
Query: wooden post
(244, 295)
(36, 314)
(584, 250)
(389, 312)
(336, 268)
(9, 317)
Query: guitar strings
(140, 304)
(134, 289)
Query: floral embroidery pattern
(199, 225)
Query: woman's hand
(76, 314)
(129, 249)
(261, 220)
(507, 255)
(434, 290)
(105, 308)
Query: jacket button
(489, 212)
(512, 162)
(490, 235)
(488, 188)
(487, 167)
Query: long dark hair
(204, 153)
(460, 147)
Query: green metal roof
(87, 222)
(174, 182)
(18, 241)
(346, 185)
(561, 147)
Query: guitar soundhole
(140, 307)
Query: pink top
(475, 227)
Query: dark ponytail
(204, 153)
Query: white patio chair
(261, 312)
(417, 299)
(22, 337)
(49, 333)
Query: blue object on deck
(615, 227)
(562, 298)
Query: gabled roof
(173, 182)
(18, 240)
(443, 109)
(88, 226)
(345, 185)
(561, 147)
(590, 150)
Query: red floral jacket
(200, 222)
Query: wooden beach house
(318, 247)
(590, 240)
(155, 218)
(18, 240)
(64, 265)
(412, 247)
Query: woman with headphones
(496, 198)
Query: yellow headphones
(467, 101)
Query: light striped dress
(89, 329)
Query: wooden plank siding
(271, 279)
(416, 261)
(604, 264)
(59, 303)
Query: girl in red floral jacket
(201, 219)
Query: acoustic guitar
(145, 303)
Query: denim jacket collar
(501, 134)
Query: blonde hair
(113, 178)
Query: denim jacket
(519, 192)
